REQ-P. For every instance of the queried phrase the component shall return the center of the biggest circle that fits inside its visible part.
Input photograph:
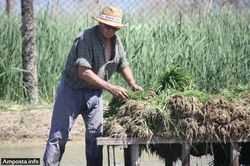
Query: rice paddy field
(214, 50)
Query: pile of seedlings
(173, 110)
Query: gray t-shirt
(88, 51)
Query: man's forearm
(127, 74)
(92, 79)
(95, 81)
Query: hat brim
(110, 23)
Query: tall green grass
(214, 49)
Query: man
(95, 55)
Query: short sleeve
(123, 62)
(123, 59)
(84, 57)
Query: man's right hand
(94, 80)
(119, 91)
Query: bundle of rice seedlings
(215, 119)
(141, 119)
(131, 117)
(113, 107)
(245, 100)
(114, 129)
(191, 115)
(230, 119)
(182, 116)
(174, 78)
(218, 112)
(184, 107)
(159, 122)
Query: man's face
(108, 31)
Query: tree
(8, 6)
(30, 80)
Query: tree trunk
(55, 8)
(8, 7)
(30, 80)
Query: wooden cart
(132, 152)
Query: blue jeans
(69, 103)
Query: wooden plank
(114, 158)
(159, 140)
(108, 155)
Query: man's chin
(108, 36)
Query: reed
(215, 50)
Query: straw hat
(111, 16)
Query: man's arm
(127, 74)
(95, 81)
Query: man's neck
(107, 40)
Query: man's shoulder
(87, 33)
(118, 38)
(119, 41)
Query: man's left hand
(136, 87)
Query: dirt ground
(31, 123)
